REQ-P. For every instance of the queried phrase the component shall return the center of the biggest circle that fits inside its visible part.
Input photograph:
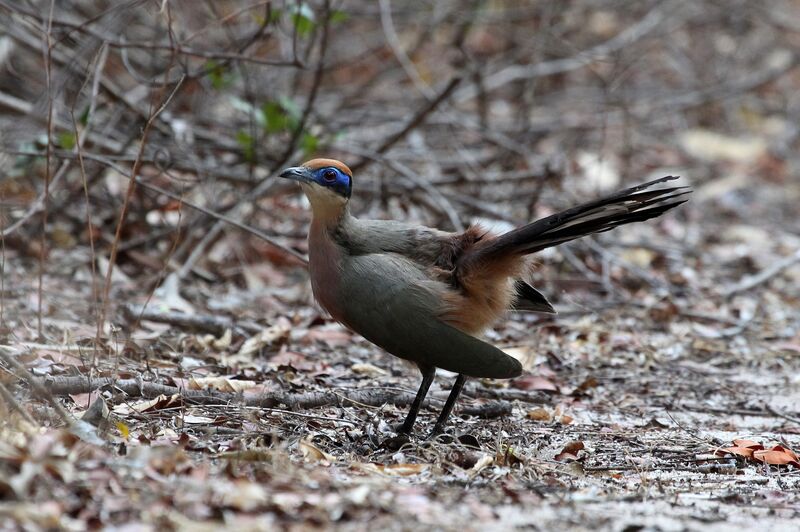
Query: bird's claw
(396, 442)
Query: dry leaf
(570, 451)
(123, 429)
(393, 470)
(747, 443)
(482, 463)
(266, 338)
(312, 453)
(534, 382)
(190, 419)
(777, 456)
(746, 452)
(209, 341)
(159, 403)
(539, 414)
(222, 384)
(368, 369)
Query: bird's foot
(467, 440)
(438, 433)
(400, 428)
(396, 442)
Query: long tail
(633, 204)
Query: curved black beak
(298, 173)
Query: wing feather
(390, 301)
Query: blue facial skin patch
(334, 179)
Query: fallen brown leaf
(777, 456)
(570, 451)
(539, 414)
(535, 382)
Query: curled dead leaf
(482, 463)
(570, 452)
(746, 452)
(748, 443)
(222, 384)
(268, 337)
(312, 453)
(778, 455)
(526, 355)
(159, 403)
(368, 369)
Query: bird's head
(326, 182)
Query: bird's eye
(329, 175)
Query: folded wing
(392, 303)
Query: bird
(424, 294)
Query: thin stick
(415, 121)
(36, 385)
(369, 397)
(12, 402)
(128, 196)
(763, 276)
(48, 158)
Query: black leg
(428, 373)
(448, 406)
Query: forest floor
(664, 395)
(618, 422)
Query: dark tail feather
(633, 204)
(530, 299)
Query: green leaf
(219, 76)
(66, 140)
(84, 118)
(309, 143)
(274, 17)
(248, 145)
(303, 18)
(338, 16)
(275, 119)
(281, 115)
(292, 111)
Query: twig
(196, 322)
(138, 388)
(128, 196)
(36, 385)
(763, 276)
(12, 402)
(268, 182)
(38, 204)
(415, 121)
(154, 188)
(399, 53)
(48, 65)
(654, 19)
(781, 415)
